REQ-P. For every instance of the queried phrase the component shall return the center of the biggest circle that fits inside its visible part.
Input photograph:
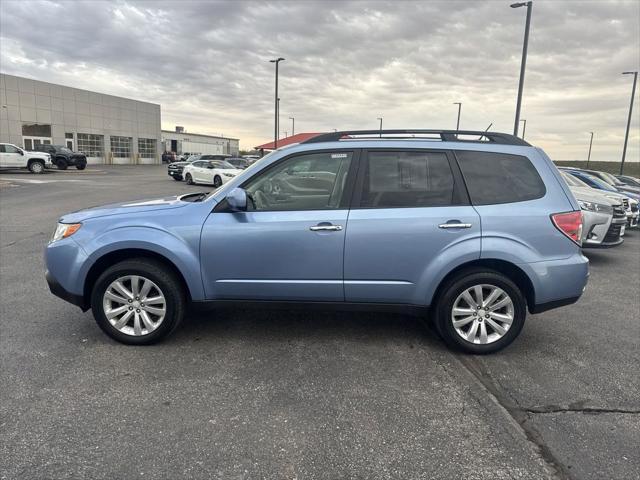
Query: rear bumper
(557, 282)
(59, 291)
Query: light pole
(459, 108)
(293, 126)
(275, 126)
(380, 118)
(278, 119)
(524, 126)
(626, 135)
(523, 64)
(589, 155)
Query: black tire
(189, 179)
(217, 181)
(164, 278)
(177, 178)
(36, 166)
(81, 166)
(62, 164)
(467, 279)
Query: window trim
(459, 187)
(347, 193)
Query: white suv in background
(15, 157)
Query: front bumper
(175, 173)
(59, 291)
(602, 230)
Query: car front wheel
(480, 312)
(138, 302)
(36, 166)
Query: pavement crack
(587, 410)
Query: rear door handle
(454, 225)
(326, 227)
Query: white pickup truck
(15, 157)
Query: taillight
(569, 223)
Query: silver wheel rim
(482, 314)
(134, 305)
(36, 167)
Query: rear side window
(407, 179)
(493, 178)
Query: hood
(592, 195)
(179, 164)
(137, 206)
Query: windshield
(601, 184)
(610, 179)
(573, 181)
(249, 168)
(223, 165)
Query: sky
(347, 63)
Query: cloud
(347, 63)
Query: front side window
(10, 149)
(494, 178)
(314, 181)
(394, 179)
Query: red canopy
(283, 142)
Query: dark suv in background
(63, 157)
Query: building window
(68, 139)
(147, 147)
(91, 145)
(36, 130)
(121, 147)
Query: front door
(10, 156)
(289, 244)
(410, 219)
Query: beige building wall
(85, 118)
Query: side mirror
(20, 152)
(237, 200)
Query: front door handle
(454, 225)
(326, 227)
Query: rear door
(410, 219)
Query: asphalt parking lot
(278, 394)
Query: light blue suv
(468, 229)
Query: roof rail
(445, 136)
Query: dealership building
(106, 128)
(183, 142)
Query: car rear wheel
(189, 179)
(138, 302)
(480, 311)
(36, 166)
(217, 181)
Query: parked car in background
(12, 156)
(470, 233)
(614, 182)
(604, 219)
(631, 181)
(238, 162)
(211, 172)
(174, 170)
(63, 157)
(631, 208)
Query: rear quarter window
(493, 178)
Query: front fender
(157, 241)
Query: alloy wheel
(134, 305)
(482, 314)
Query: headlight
(228, 174)
(64, 230)
(595, 207)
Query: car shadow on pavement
(286, 325)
